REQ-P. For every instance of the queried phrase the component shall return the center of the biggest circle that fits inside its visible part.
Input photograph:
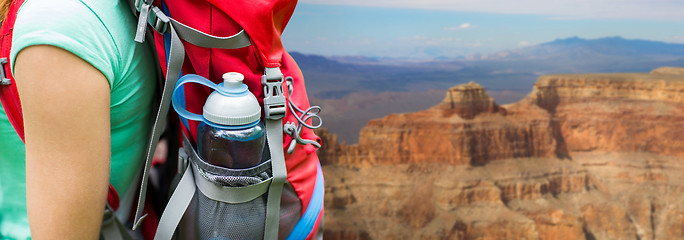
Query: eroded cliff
(592, 156)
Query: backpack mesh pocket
(207, 218)
(219, 220)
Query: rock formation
(467, 101)
(585, 156)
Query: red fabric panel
(263, 20)
(149, 226)
(113, 198)
(8, 94)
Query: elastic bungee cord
(294, 129)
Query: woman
(86, 90)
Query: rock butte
(583, 156)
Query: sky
(423, 29)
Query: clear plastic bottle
(235, 148)
(232, 135)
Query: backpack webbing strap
(176, 58)
(112, 228)
(178, 203)
(232, 195)
(274, 109)
(200, 39)
(162, 23)
(274, 133)
(142, 8)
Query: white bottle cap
(233, 103)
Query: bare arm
(65, 102)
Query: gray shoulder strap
(178, 203)
(274, 132)
(274, 108)
(201, 39)
(176, 58)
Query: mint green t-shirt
(101, 32)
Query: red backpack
(238, 36)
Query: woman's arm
(65, 102)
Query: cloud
(524, 44)
(563, 9)
(461, 27)
(676, 39)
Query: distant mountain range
(346, 82)
(573, 47)
(570, 55)
(603, 48)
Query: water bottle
(230, 144)
(230, 133)
(233, 135)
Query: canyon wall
(591, 156)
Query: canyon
(583, 156)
